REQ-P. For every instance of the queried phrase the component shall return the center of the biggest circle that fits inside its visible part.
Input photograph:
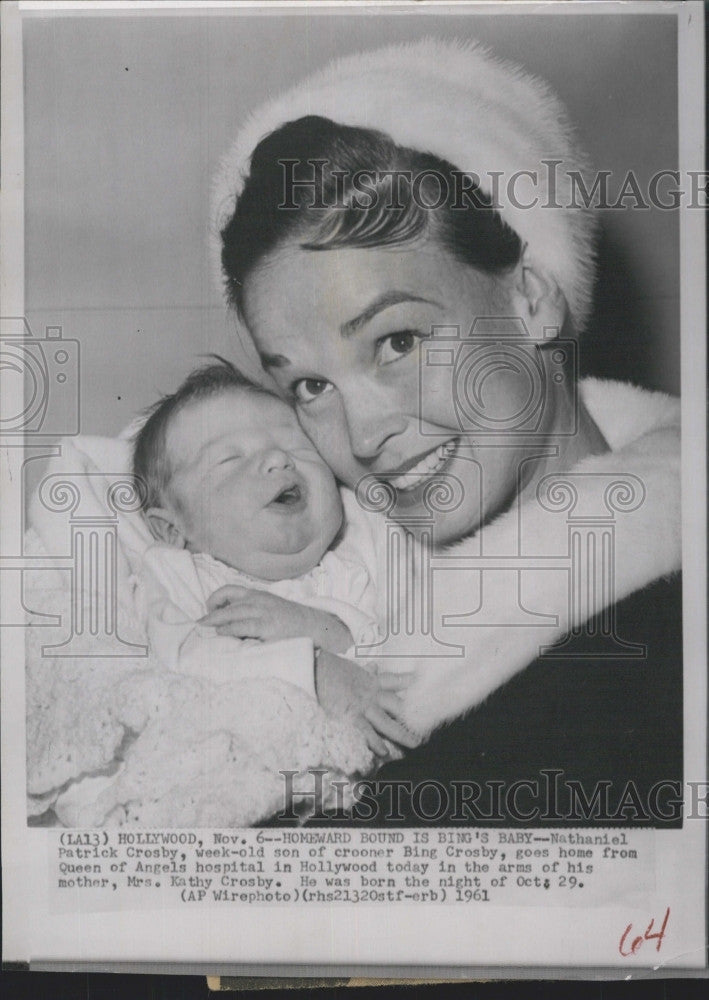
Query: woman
(373, 208)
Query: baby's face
(249, 488)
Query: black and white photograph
(353, 430)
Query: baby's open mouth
(290, 498)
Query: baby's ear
(162, 524)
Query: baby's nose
(275, 460)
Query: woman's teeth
(428, 466)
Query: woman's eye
(308, 389)
(396, 346)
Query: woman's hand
(255, 614)
(346, 690)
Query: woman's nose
(371, 427)
(276, 460)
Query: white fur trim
(625, 412)
(459, 102)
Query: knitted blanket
(117, 741)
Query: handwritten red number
(649, 935)
(658, 935)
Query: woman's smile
(419, 470)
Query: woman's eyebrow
(351, 326)
(384, 301)
(274, 361)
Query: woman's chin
(435, 507)
(450, 528)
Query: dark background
(96, 986)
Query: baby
(244, 581)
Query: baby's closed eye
(306, 453)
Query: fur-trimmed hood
(459, 102)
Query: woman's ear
(163, 526)
(538, 300)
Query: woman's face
(342, 330)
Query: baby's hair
(151, 462)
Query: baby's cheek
(330, 511)
(232, 489)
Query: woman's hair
(151, 461)
(325, 185)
